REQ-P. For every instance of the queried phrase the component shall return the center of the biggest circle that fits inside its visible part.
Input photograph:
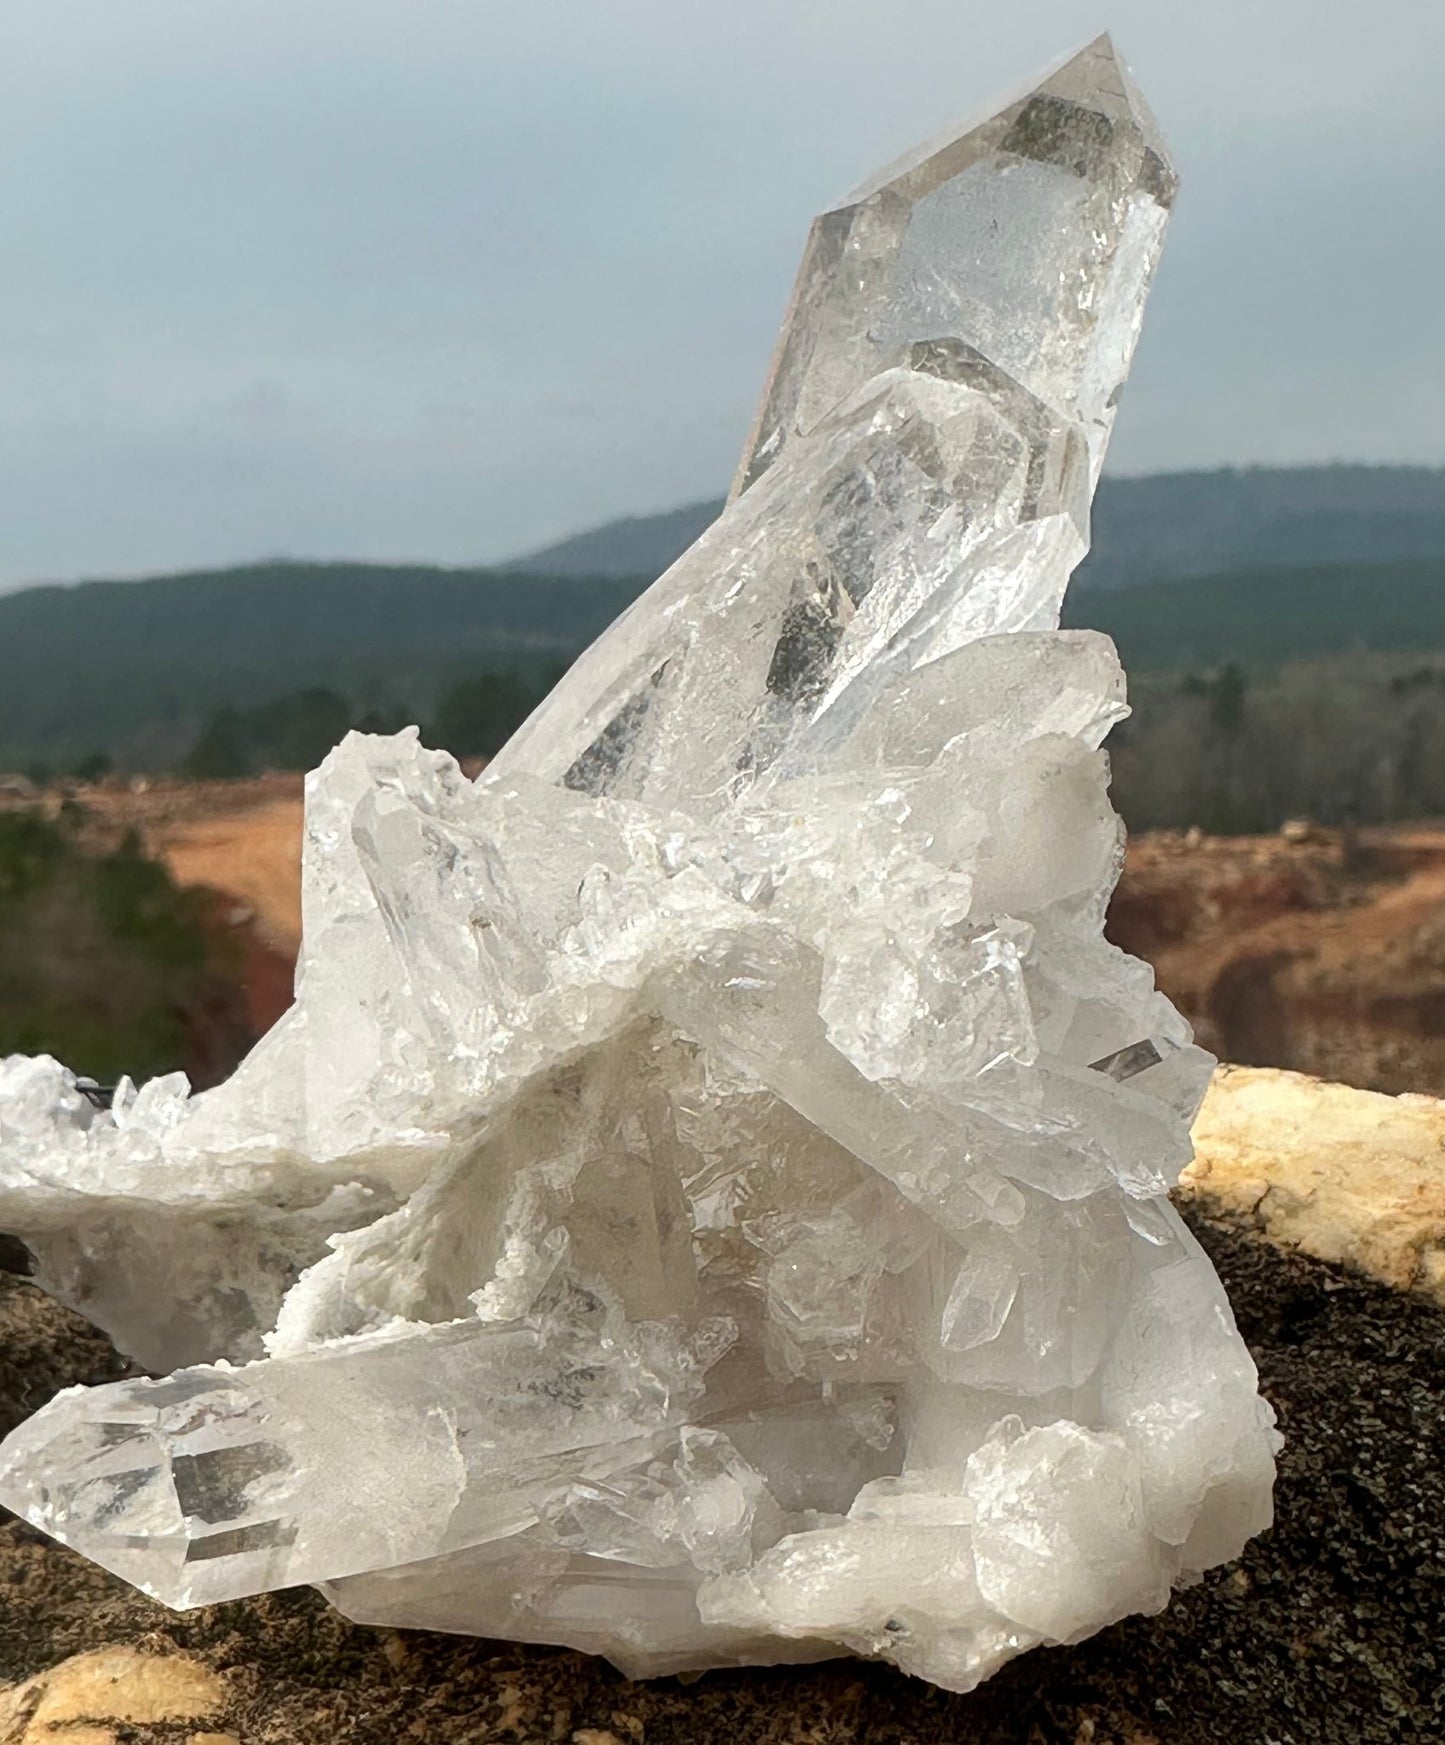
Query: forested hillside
(1262, 617)
(237, 671)
(1161, 528)
(1176, 526)
(133, 669)
(104, 961)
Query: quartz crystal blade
(985, 238)
(708, 1204)
(921, 469)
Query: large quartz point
(708, 1203)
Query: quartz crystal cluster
(708, 1202)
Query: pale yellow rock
(1344, 1175)
(70, 1733)
(80, 1701)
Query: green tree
(104, 963)
(384, 719)
(222, 750)
(1226, 699)
(476, 717)
(94, 768)
(296, 731)
(31, 848)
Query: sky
(449, 279)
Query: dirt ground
(1329, 1631)
(254, 858)
(1323, 953)
(241, 839)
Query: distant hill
(1266, 617)
(637, 545)
(1172, 526)
(132, 668)
(1190, 570)
(1161, 528)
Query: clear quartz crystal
(708, 1203)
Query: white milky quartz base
(708, 1202)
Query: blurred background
(362, 361)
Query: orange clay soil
(253, 856)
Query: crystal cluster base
(709, 1201)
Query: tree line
(1232, 749)
(472, 719)
(105, 962)
(1345, 740)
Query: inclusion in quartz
(708, 1203)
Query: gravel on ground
(1330, 1630)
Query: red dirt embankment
(245, 846)
(1321, 951)
(240, 843)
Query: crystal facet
(708, 1203)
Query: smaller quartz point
(708, 1204)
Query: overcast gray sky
(446, 279)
